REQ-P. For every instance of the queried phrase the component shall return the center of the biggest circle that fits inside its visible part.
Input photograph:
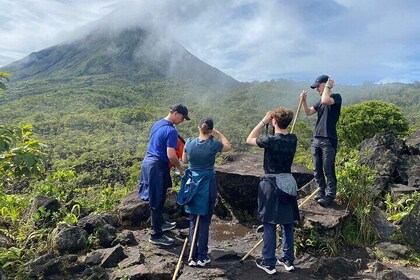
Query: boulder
(94, 221)
(398, 190)
(106, 258)
(414, 181)
(381, 271)
(410, 227)
(334, 268)
(126, 237)
(393, 250)
(384, 228)
(323, 219)
(48, 206)
(48, 264)
(239, 177)
(407, 166)
(70, 239)
(413, 143)
(133, 211)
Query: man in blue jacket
(155, 177)
(324, 141)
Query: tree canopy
(362, 121)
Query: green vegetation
(89, 134)
(364, 120)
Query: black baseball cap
(180, 108)
(321, 79)
(208, 121)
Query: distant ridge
(134, 54)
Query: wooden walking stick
(252, 250)
(296, 115)
(194, 238)
(178, 265)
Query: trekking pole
(252, 250)
(300, 205)
(178, 265)
(309, 197)
(194, 237)
(296, 115)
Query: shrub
(364, 120)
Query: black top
(327, 118)
(279, 151)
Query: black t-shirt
(279, 151)
(327, 118)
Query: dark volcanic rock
(413, 143)
(70, 239)
(410, 227)
(335, 268)
(133, 211)
(239, 177)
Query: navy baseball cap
(321, 79)
(180, 108)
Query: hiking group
(277, 191)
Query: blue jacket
(194, 191)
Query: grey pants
(323, 156)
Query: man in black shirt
(324, 142)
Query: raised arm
(226, 144)
(326, 98)
(252, 137)
(308, 110)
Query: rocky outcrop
(70, 239)
(410, 227)
(334, 268)
(42, 209)
(239, 177)
(396, 162)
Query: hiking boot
(319, 195)
(326, 201)
(269, 269)
(192, 263)
(288, 265)
(203, 263)
(163, 240)
(168, 226)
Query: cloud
(250, 40)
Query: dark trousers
(156, 220)
(323, 156)
(202, 239)
(270, 239)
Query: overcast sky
(351, 40)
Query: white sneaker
(192, 263)
(203, 263)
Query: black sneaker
(168, 226)
(163, 240)
(326, 201)
(288, 265)
(203, 263)
(260, 228)
(269, 269)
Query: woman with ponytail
(200, 153)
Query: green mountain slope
(134, 55)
